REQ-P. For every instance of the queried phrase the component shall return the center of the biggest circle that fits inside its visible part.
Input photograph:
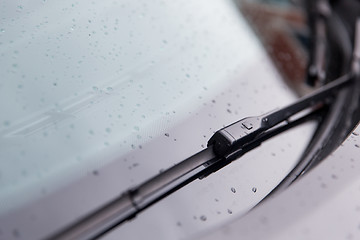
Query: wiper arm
(230, 139)
(224, 146)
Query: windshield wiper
(226, 145)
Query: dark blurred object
(283, 30)
(332, 25)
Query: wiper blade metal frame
(229, 139)
(224, 146)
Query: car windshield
(100, 96)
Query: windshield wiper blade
(233, 137)
(224, 146)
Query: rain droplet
(233, 190)
(203, 218)
(16, 233)
(166, 134)
(357, 145)
(95, 88)
(95, 172)
(355, 133)
(254, 189)
(229, 211)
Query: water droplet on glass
(229, 211)
(357, 145)
(108, 130)
(95, 88)
(166, 134)
(355, 133)
(233, 190)
(109, 88)
(16, 233)
(203, 218)
(254, 189)
(95, 172)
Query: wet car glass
(99, 97)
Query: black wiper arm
(230, 139)
(224, 146)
